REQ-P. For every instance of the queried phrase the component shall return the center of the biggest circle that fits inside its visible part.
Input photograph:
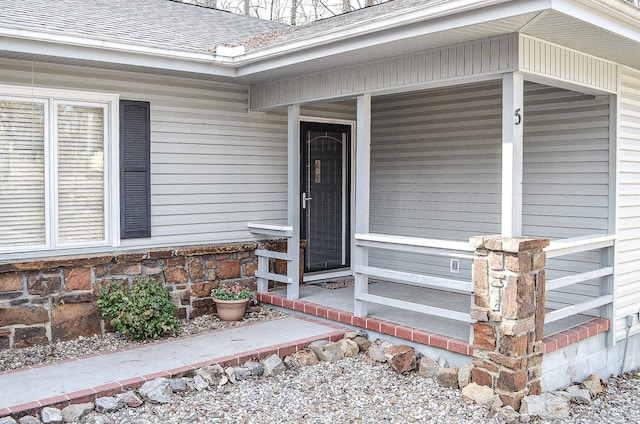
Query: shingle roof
(153, 23)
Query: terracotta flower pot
(231, 310)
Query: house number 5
(518, 115)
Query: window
(55, 188)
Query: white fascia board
(21, 41)
(440, 17)
(615, 16)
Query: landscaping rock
(51, 415)
(9, 420)
(480, 395)
(107, 404)
(273, 365)
(178, 384)
(305, 357)
(506, 415)
(464, 375)
(291, 363)
(129, 399)
(157, 391)
(378, 349)
(362, 342)
(74, 412)
(200, 383)
(428, 367)
(214, 375)
(327, 351)
(448, 377)
(547, 406)
(402, 358)
(27, 419)
(593, 384)
(349, 348)
(355, 333)
(255, 368)
(579, 395)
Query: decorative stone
(579, 395)
(107, 404)
(25, 315)
(51, 415)
(200, 383)
(27, 419)
(214, 375)
(355, 333)
(362, 342)
(447, 377)
(593, 384)
(428, 367)
(9, 420)
(547, 406)
(326, 351)
(378, 349)
(157, 391)
(129, 399)
(73, 320)
(464, 375)
(73, 412)
(480, 395)
(29, 336)
(349, 348)
(291, 363)
(178, 384)
(273, 365)
(305, 357)
(402, 358)
(10, 281)
(506, 415)
(77, 279)
(255, 368)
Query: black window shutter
(135, 169)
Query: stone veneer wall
(54, 299)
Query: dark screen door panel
(325, 184)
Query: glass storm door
(325, 195)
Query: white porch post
(293, 201)
(512, 153)
(363, 164)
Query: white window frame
(51, 98)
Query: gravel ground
(350, 391)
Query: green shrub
(142, 312)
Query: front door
(325, 185)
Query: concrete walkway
(84, 379)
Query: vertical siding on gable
(628, 219)
(214, 166)
(566, 177)
(435, 169)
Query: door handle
(305, 199)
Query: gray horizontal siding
(566, 178)
(214, 166)
(474, 58)
(628, 219)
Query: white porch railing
(263, 273)
(603, 243)
(433, 247)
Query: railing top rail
(271, 229)
(415, 241)
(579, 244)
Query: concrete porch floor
(342, 299)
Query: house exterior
(166, 139)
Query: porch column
(363, 174)
(509, 296)
(512, 153)
(293, 202)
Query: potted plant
(231, 301)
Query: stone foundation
(54, 299)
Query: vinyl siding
(566, 178)
(628, 219)
(214, 166)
